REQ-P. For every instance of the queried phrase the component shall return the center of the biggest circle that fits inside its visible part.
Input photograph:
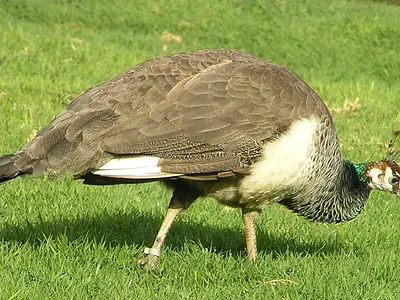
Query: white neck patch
(282, 162)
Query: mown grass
(63, 240)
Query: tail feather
(8, 169)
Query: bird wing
(200, 112)
(218, 119)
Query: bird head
(385, 174)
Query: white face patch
(282, 162)
(380, 180)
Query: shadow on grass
(139, 229)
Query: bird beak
(396, 188)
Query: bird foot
(150, 258)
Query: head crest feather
(394, 147)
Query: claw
(149, 262)
(150, 258)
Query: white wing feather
(133, 167)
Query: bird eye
(393, 180)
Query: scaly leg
(250, 233)
(182, 198)
(151, 255)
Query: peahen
(221, 123)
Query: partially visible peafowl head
(385, 175)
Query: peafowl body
(222, 123)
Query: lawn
(60, 239)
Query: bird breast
(283, 166)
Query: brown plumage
(177, 107)
(211, 122)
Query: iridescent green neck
(361, 169)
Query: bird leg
(250, 232)
(182, 198)
(151, 255)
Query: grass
(63, 240)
